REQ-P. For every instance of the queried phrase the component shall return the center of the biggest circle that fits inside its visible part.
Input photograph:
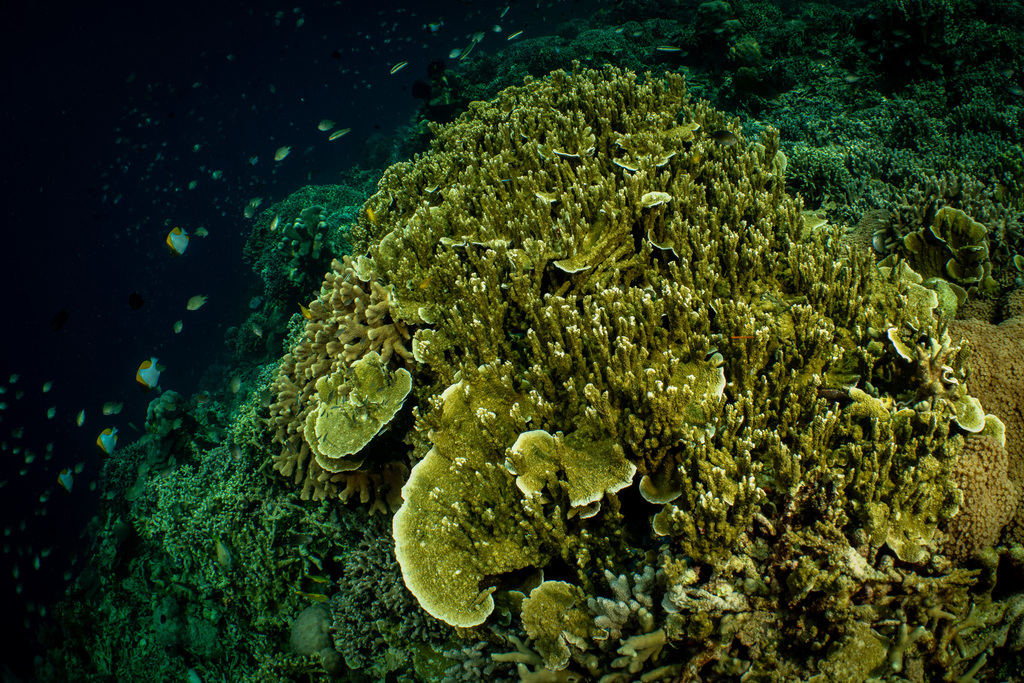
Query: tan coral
(348, 320)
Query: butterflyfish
(177, 241)
(107, 440)
(65, 479)
(148, 374)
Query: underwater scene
(609, 341)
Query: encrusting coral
(630, 354)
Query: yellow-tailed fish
(148, 374)
(282, 152)
(274, 222)
(47, 387)
(338, 133)
(202, 232)
(196, 302)
(325, 125)
(177, 242)
(112, 408)
(315, 597)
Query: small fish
(224, 557)
(668, 48)
(65, 480)
(257, 330)
(47, 387)
(317, 579)
(282, 152)
(1015, 89)
(177, 242)
(454, 54)
(177, 327)
(79, 467)
(725, 138)
(202, 232)
(255, 202)
(305, 312)
(148, 374)
(112, 408)
(338, 133)
(14, 378)
(371, 215)
(398, 67)
(80, 419)
(514, 35)
(325, 125)
(196, 302)
(273, 223)
(51, 412)
(315, 597)
(235, 385)
(851, 78)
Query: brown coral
(347, 321)
(997, 380)
(989, 496)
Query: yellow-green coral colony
(623, 338)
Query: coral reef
(615, 313)
(656, 422)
